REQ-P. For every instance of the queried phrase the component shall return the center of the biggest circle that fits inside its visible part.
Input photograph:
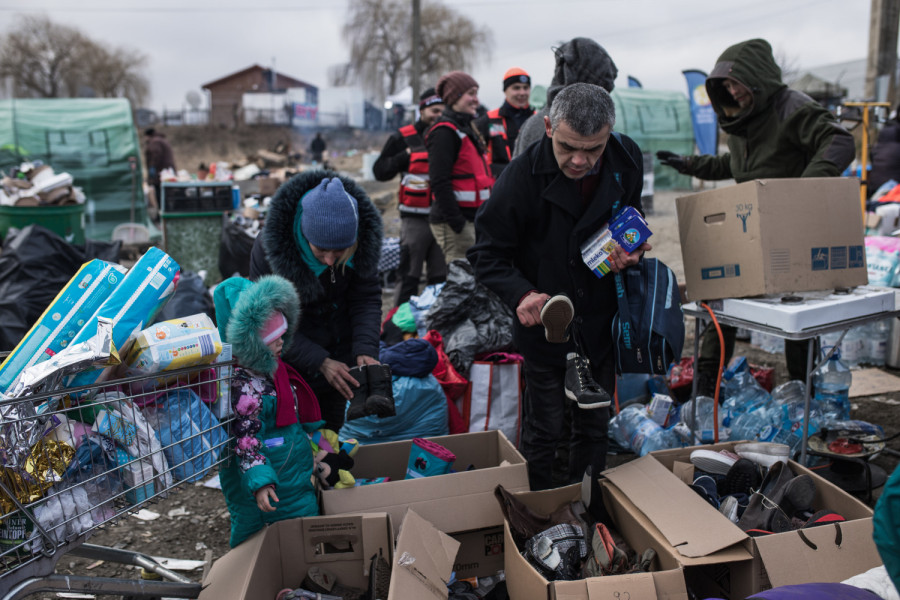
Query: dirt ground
(202, 532)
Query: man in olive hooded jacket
(773, 132)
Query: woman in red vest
(457, 167)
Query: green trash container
(67, 221)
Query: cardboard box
(771, 236)
(280, 555)
(721, 560)
(665, 581)
(461, 504)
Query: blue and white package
(191, 436)
(627, 229)
(145, 289)
(63, 319)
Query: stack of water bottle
(748, 412)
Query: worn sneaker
(764, 454)
(710, 461)
(556, 315)
(729, 508)
(742, 478)
(580, 385)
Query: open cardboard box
(280, 555)
(665, 581)
(461, 504)
(718, 557)
(769, 236)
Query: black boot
(380, 402)
(357, 408)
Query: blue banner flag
(706, 126)
(633, 82)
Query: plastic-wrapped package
(190, 434)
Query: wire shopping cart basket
(77, 459)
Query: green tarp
(94, 140)
(657, 120)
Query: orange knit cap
(515, 75)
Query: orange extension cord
(719, 376)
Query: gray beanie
(330, 216)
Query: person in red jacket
(457, 166)
(405, 153)
(500, 126)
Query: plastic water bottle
(704, 427)
(878, 336)
(756, 425)
(743, 394)
(832, 384)
(853, 348)
(633, 428)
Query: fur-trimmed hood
(242, 308)
(280, 244)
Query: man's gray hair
(584, 107)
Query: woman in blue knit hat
(324, 235)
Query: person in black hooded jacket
(324, 235)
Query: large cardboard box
(772, 236)
(280, 555)
(665, 581)
(721, 560)
(461, 504)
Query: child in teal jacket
(269, 478)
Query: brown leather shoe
(525, 523)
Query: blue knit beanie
(330, 216)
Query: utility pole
(881, 66)
(416, 44)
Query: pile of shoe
(755, 488)
(571, 543)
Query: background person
(885, 156)
(158, 156)
(457, 167)
(500, 127)
(580, 60)
(773, 131)
(550, 200)
(317, 148)
(323, 234)
(404, 152)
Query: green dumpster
(191, 218)
(67, 221)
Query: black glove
(676, 161)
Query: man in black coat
(548, 202)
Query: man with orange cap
(500, 126)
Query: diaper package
(94, 282)
(174, 344)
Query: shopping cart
(147, 437)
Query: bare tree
(380, 39)
(44, 59)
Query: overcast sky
(192, 42)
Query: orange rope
(719, 376)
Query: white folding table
(799, 316)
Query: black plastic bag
(470, 317)
(191, 297)
(35, 265)
(234, 251)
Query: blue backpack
(648, 330)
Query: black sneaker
(580, 385)
(742, 478)
(556, 314)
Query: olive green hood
(750, 63)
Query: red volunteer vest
(415, 192)
(471, 178)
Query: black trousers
(545, 426)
